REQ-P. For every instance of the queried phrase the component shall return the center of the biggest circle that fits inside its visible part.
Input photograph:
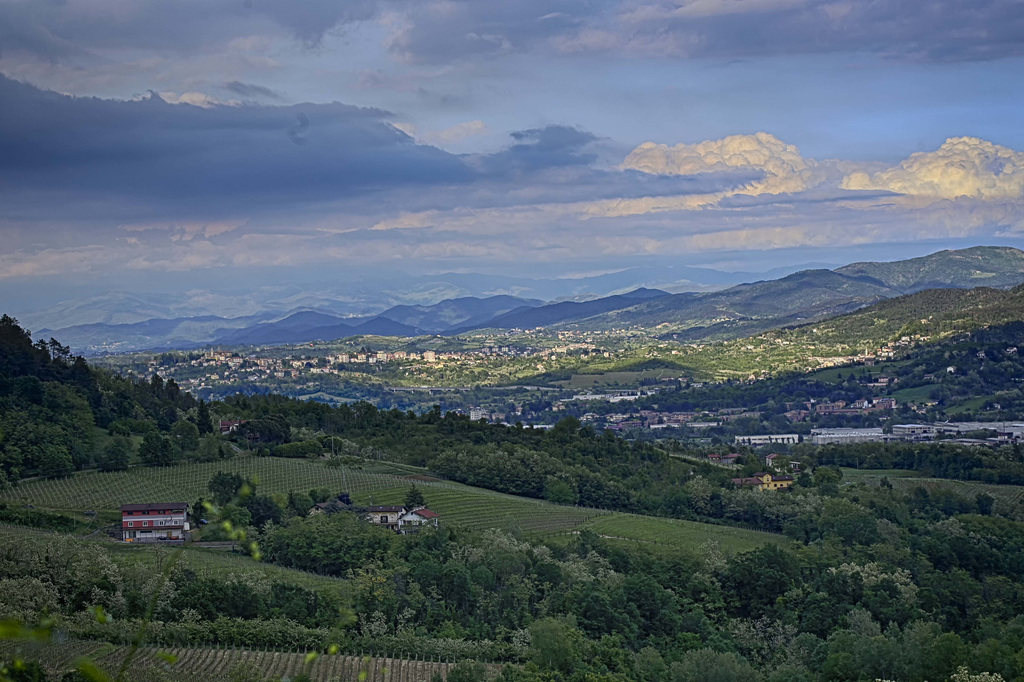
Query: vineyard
(458, 505)
(676, 534)
(1008, 496)
(215, 664)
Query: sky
(148, 145)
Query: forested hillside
(52, 405)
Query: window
(130, 524)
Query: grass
(851, 475)
(215, 664)
(916, 394)
(1008, 495)
(971, 405)
(102, 438)
(621, 378)
(675, 535)
(1011, 495)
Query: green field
(458, 505)
(851, 475)
(620, 378)
(672, 535)
(970, 405)
(215, 664)
(915, 394)
(1010, 495)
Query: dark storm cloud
(430, 31)
(251, 91)
(147, 157)
(538, 148)
(24, 27)
(48, 28)
(445, 31)
(941, 30)
(158, 153)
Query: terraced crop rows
(215, 664)
(457, 504)
(679, 534)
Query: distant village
(218, 368)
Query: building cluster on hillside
(764, 480)
(399, 518)
(954, 432)
(796, 412)
(657, 419)
(168, 521)
(222, 366)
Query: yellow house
(765, 481)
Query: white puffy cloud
(760, 150)
(785, 170)
(961, 167)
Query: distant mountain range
(738, 311)
(352, 295)
(813, 294)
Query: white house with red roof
(411, 521)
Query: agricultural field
(215, 664)
(1008, 495)
(618, 378)
(971, 405)
(916, 394)
(673, 535)
(851, 475)
(459, 505)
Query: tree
(211, 449)
(827, 480)
(467, 671)
(116, 455)
(263, 509)
(552, 646)
(185, 435)
(156, 450)
(23, 671)
(414, 498)
(560, 491)
(224, 487)
(705, 665)
(204, 422)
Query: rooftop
(154, 506)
